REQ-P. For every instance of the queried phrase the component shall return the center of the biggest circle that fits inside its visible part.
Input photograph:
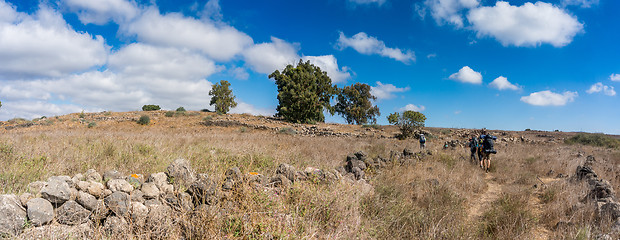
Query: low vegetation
(150, 108)
(594, 139)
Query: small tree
(408, 121)
(222, 97)
(150, 108)
(355, 106)
(0, 104)
(304, 92)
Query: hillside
(297, 181)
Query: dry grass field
(439, 196)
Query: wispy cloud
(368, 45)
(386, 91)
(599, 87)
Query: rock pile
(601, 192)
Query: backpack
(422, 139)
(473, 143)
(487, 144)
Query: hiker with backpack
(487, 150)
(473, 147)
(422, 141)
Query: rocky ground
(125, 202)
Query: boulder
(233, 179)
(361, 155)
(601, 189)
(106, 192)
(135, 180)
(139, 212)
(137, 196)
(116, 226)
(354, 162)
(203, 190)
(112, 174)
(92, 175)
(610, 210)
(158, 221)
(25, 197)
(57, 192)
(67, 179)
(119, 185)
(40, 211)
(12, 215)
(118, 203)
(77, 178)
(74, 193)
(100, 211)
(359, 173)
(72, 213)
(95, 189)
(82, 185)
(161, 181)
(150, 190)
(287, 171)
(255, 179)
(58, 231)
(36, 187)
(88, 201)
(280, 181)
(181, 172)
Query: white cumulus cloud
(219, 42)
(243, 107)
(548, 98)
(43, 44)
(446, 11)
(368, 45)
(467, 75)
(268, 57)
(102, 11)
(531, 24)
(386, 91)
(599, 87)
(502, 83)
(614, 77)
(329, 64)
(412, 107)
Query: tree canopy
(354, 104)
(222, 97)
(408, 121)
(304, 91)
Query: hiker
(488, 149)
(473, 147)
(480, 151)
(422, 141)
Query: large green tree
(304, 92)
(222, 97)
(408, 121)
(354, 104)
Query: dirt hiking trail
(493, 192)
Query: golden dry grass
(427, 199)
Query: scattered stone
(24, 198)
(610, 210)
(57, 192)
(57, 231)
(407, 152)
(106, 192)
(92, 175)
(119, 185)
(100, 211)
(88, 201)
(74, 193)
(118, 203)
(287, 171)
(150, 190)
(433, 182)
(255, 179)
(82, 185)
(601, 189)
(280, 181)
(233, 179)
(95, 188)
(158, 221)
(139, 212)
(40, 211)
(359, 174)
(112, 174)
(135, 180)
(151, 202)
(12, 215)
(354, 162)
(72, 213)
(203, 190)
(116, 226)
(77, 178)
(181, 171)
(66, 179)
(361, 155)
(137, 196)
(161, 181)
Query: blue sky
(463, 63)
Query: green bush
(169, 114)
(180, 109)
(150, 108)
(408, 122)
(92, 124)
(144, 120)
(597, 139)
